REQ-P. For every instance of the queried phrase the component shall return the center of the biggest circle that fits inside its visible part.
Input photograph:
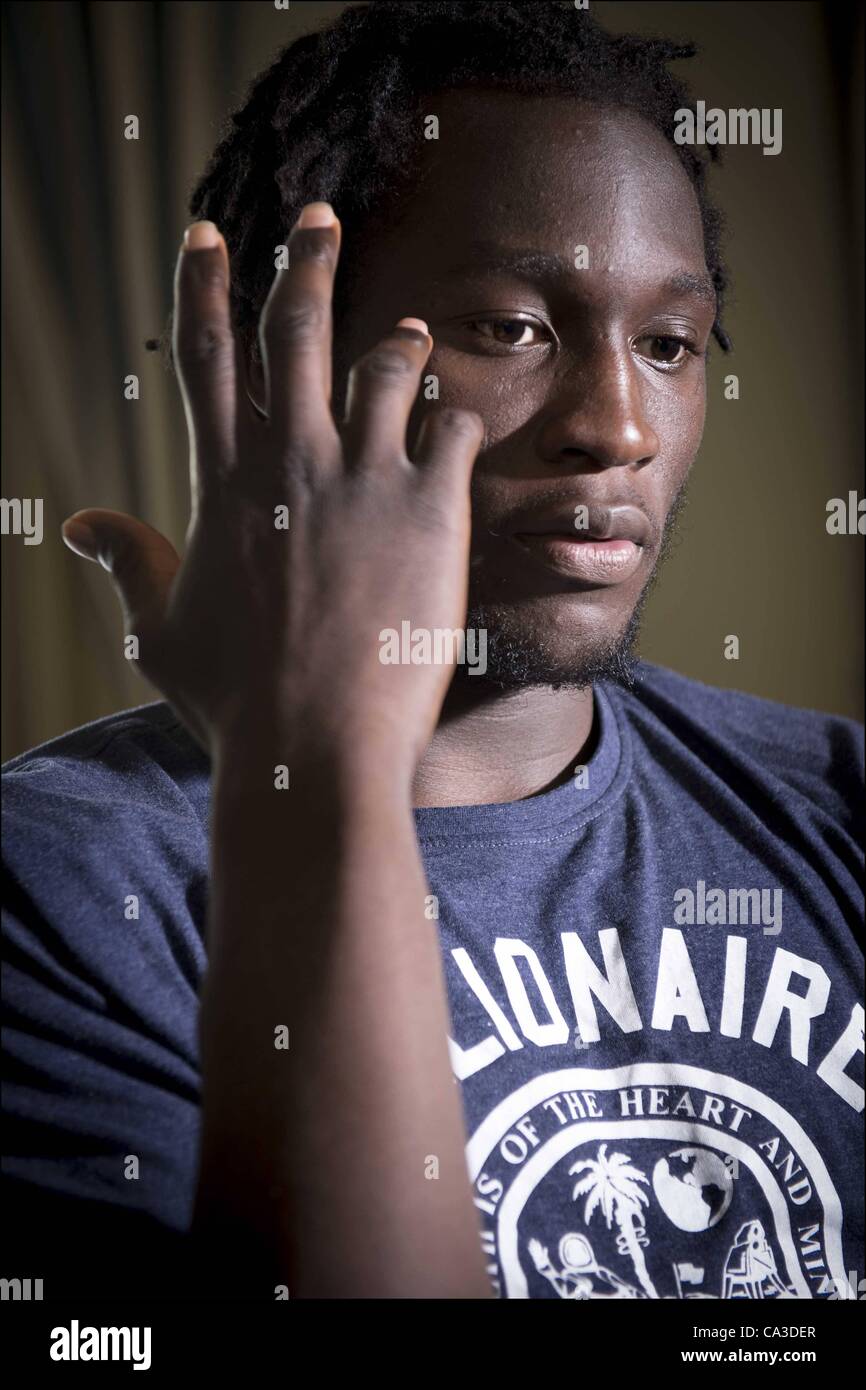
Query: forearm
(323, 1152)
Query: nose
(598, 417)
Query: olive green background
(92, 223)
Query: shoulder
(120, 758)
(131, 788)
(816, 754)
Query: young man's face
(587, 367)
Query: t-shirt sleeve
(818, 756)
(104, 854)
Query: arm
(266, 641)
(321, 1150)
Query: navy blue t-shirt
(654, 975)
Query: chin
(522, 653)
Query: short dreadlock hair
(338, 117)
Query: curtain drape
(91, 226)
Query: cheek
(504, 404)
(510, 403)
(677, 417)
(505, 397)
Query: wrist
(321, 766)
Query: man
(259, 930)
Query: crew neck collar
(548, 814)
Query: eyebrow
(490, 258)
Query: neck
(496, 746)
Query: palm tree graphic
(612, 1185)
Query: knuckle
(301, 461)
(210, 276)
(202, 343)
(464, 423)
(312, 244)
(432, 514)
(388, 364)
(124, 562)
(295, 324)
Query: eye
(507, 332)
(667, 350)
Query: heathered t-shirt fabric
(654, 975)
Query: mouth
(607, 549)
(596, 562)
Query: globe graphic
(693, 1187)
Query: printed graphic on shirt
(652, 1181)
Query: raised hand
(308, 536)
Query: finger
(295, 333)
(382, 388)
(447, 446)
(141, 562)
(204, 351)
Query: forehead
(553, 172)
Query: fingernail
(413, 323)
(80, 538)
(201, 236)
(317, 215)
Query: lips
(595, 545)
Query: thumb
(141, 562)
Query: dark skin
(315, 1160)
(588, 407)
